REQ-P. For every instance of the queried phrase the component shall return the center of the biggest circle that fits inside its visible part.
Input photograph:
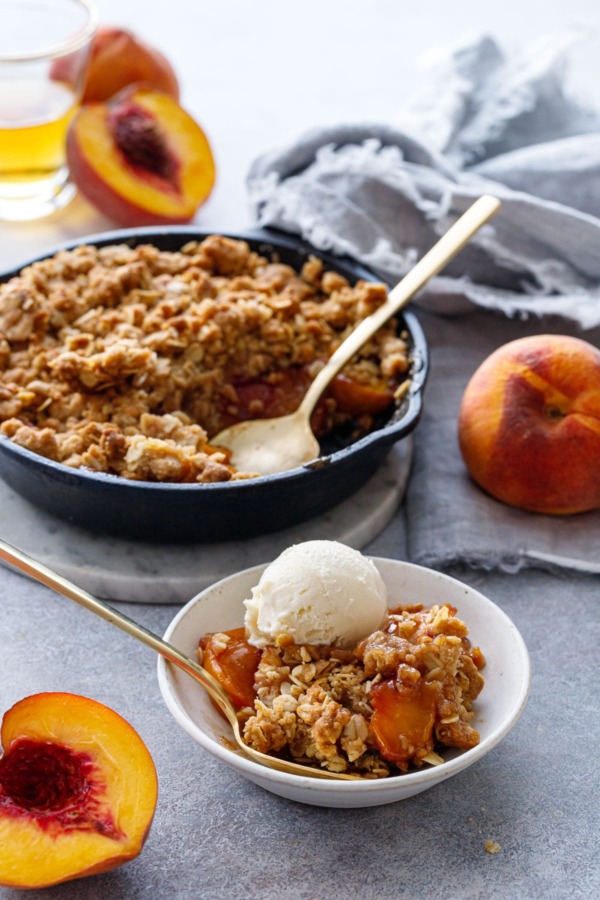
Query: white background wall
(258, 73)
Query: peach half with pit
(529, 424)
(140, 159)
(78, 790)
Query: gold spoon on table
(267, 446)
(51, 579)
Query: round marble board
(137, 572)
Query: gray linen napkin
(448, 518)
(383, 194)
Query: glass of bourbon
(44, 53)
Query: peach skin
(118, 59)
(529, 424)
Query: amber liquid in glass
(34, 117)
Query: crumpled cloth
(384, 194)
(485, 122)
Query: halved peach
(141, 159)
(78, 790)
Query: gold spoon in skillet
(267, 446)
(51, 579)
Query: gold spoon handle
(53, 580)
(429, 265)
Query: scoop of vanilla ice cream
(318, 592)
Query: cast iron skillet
(176, 513)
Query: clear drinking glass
(44, 52)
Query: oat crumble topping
(492, 847)
(127, 360)
(393, 703)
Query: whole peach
(529, 424)
(118, 59)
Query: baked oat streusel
(127, 360)
(395, 701)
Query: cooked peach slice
(234, 664)
(78, 790)
(403, 720)
(141, 159)
(360, 399)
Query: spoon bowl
(51, 579)
(268, 446)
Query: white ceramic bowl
(498, 707)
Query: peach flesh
(529, 425)
(141, 160)
(77, 790)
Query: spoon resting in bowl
(61, 585)
(268, 446)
